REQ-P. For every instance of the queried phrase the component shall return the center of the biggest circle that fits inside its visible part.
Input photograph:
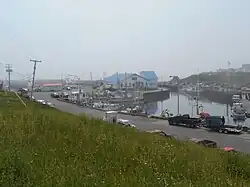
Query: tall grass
(40, 146)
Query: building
(145, 79)
(151, 77)
(134, 81)
(245, 91)
(245, 67)
(50, 87)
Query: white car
(126, 123)
(50, 104)
(40, 101)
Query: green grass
(45, 147)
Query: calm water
(186, 107)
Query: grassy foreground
(45, 147)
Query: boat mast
(161, 100)
(228, 79)
(198, 94)
(126, 86)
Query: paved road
(239, 142)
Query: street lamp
(178, 95)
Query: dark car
(54, 95)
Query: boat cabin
(237, 105)
(236, 98)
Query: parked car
(50, 104)
(125, 123)
(55, 95)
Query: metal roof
(117, 77)
(150, 75)
(57, 84)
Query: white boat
(166, 113)
(239, 114)
(236, 98)
(237, 105)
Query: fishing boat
(239, 114)
(236, 98)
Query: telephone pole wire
(8, 70)
(34, 74)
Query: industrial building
(50, 87)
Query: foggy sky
(171, 37)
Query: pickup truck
(185, 121)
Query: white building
(245, 67)
(134, 81)
(146, 80)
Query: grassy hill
(40, 146)
(237, 78)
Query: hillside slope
(45, 147)
(237, 78)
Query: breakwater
(157, 95)
(215, 96)
(219, 97)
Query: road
(239, 142)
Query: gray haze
(172, 37)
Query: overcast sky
(171, 37)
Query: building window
(134, 78)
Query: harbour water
(187, 106)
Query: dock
(246, 105)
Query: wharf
(246, 105)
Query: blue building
(144, 79)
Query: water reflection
(187, 106)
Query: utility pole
(8, 70)
(34, 74)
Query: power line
(24, 76)
(34, 74)
(8, 70)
